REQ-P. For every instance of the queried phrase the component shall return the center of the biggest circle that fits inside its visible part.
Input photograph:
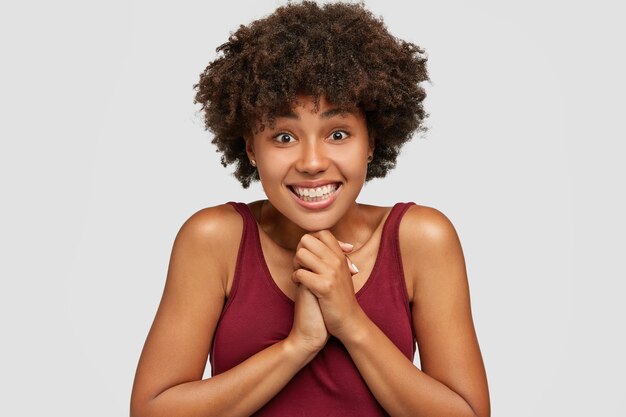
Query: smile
(315, 197)
(315, 194)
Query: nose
(313, 158)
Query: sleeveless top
(258, 314)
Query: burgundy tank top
(258, 314)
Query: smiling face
(312, 165)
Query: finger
(310, 280)
(326, 237)
(306, 259)
(346, 247)
(296, 262)
(325, 257)
(351, 266)
(314, 244)
(294, 277)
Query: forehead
(302, 107)
(324, 109)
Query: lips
(317, 197)
(315, 193)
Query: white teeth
(313, 194)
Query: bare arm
(169, 381)
(453, 381)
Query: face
(312, 166)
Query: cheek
(272, 169)
(353, 161)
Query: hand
(322, 267)
(308, 329)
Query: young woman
(309, 303)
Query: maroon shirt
(258, 314)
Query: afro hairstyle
(337, 50)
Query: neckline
(281, 293)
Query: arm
(169, 381)
(452, 381)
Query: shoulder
(211, 221)
(211, 236)
(427, 241)
(424, 226)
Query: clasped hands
(325, 303)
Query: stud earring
(370, 158)
(253, 162)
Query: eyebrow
(325, 115)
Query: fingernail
(352, 266)
(349, 246)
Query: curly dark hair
(337, 50)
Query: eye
(284, 137)
(339, 135)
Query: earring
(370, 158)
(253, 162)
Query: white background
(103, 157)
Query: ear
(249, 146)
(372, 144)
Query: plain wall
(103, 157)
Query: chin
(314, 226)
(315, 221)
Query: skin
(306, 253)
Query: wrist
(354, 330)
(299, 349)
